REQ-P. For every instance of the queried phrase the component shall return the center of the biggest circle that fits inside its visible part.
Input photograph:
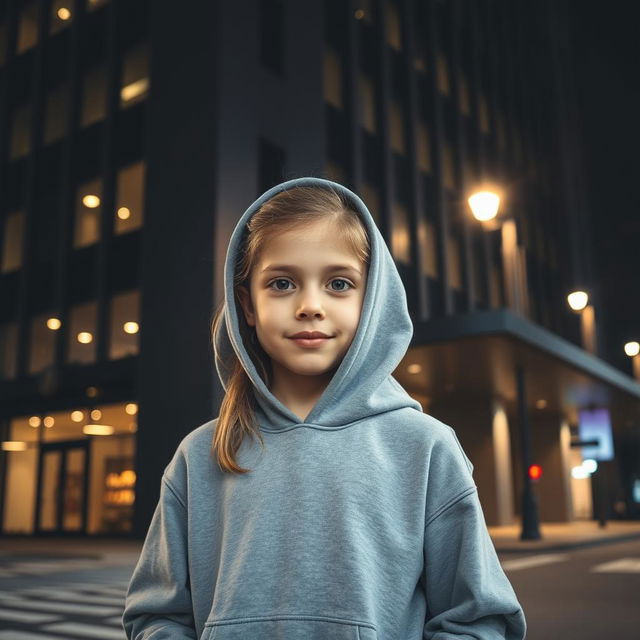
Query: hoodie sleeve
(158, 603)
(468, 594)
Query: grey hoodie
(361, 523)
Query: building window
(400, 237)
(21, 469)
(8, 350)
(333, 79)
(454, 262)
(367, 104)
(125, 327)
(371, 197)
(3, 42)
(464, 103)
(392, 23)
(92, 5)
(423, 140)
(397, 128)
(88, 208)
(20, 132)
(483, 113)
(135, 76)
(130, 198)
(82, 334)
(13, 237)
(42, 344)
(55, 118)
(427, 240)
(61, 15)
(442, 74)
(27, 28)
(448, 170)
(94, 96)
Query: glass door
(62, 488)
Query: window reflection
(333, 78)
(130, 198)
(367, 104)
(88, 211)
(28, 27)
(135, 76)
(42, 344)
(82, 333)
(20, 132)
(124, 325)
(94, 96)
(12, 241)
(8, 350)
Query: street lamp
(484, 205)
(632, 349)
(579, 302)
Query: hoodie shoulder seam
(462, 494)
(173, 490)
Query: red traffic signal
(535, 472)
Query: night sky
(606, 45)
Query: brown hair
(296, 207)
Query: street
(586, 594)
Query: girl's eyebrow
(291, 267)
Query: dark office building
(134, 134)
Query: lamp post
(484, 206)
(632, 349)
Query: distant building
(134, 134)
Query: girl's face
(296, 286)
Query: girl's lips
(310, 342)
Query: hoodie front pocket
(287, 628)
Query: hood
(362, 385)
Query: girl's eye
(270, 285)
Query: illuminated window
(423, 141)
(12, 245)
(130, 198)
(92, 5)
(8, 350)
(135, 76)
(20, 132)
(367, 104)
(400, 237)
(397, 128)
(94, 96)
(448, 174)
(332, 79)
(42, 344)
(82, 333)
(371, 197)
(55, 119)
(88, 208)
(28, 27)
(392, 22)
(427, 240)
(483, 113)
(125, 330)
(464, 103)
(455, 262)
(442, 74)
(61, 15)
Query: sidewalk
(506, 539)
(559, 536)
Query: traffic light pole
(530, 524)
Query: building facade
(134, 134)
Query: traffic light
(535, 472)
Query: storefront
(71, 473)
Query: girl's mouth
(310, 342)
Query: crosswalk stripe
(533, 561)
(622, 565)
(22, 603)
(10, 614)
(86, 631)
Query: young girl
(357, 517)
